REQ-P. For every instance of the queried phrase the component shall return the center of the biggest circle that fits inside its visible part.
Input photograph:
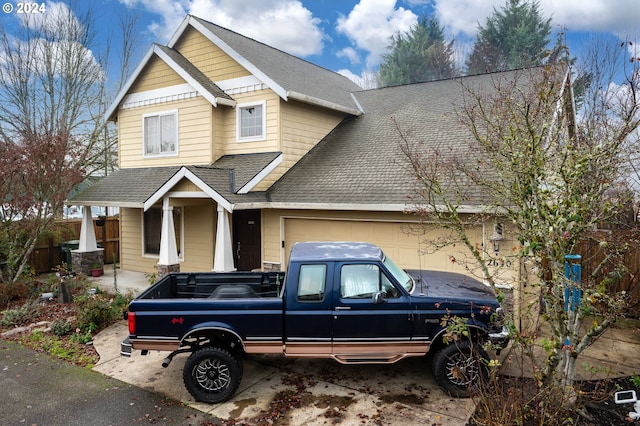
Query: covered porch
(174, 217)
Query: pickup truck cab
(341, 300)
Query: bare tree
(53, 96)
(549, 179)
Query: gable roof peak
(287, 75)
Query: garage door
(398, 240)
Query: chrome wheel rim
(462, 370)
(212, 375)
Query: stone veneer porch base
(166, 269)
(83, 261)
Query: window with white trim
(160, 133)
(251, 122)
(152, 228)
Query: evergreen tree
(421, 54)
(514, 37)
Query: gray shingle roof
(361, 162)
(132, 187)
(194, 72)
(291, 73)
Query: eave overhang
(111, 112)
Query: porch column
(223, 260)
(168, 256)
(87, 232)
(87, 256)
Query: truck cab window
(311, 282)
(362, 281)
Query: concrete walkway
(403, 393)
(126, 281)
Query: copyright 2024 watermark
(24, 8)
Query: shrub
(80, 337)
(99, 311)
(10, 292)
(60, 327)
(21, 315)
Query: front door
(246, 239)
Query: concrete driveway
(325, 391)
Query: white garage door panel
(390, 236)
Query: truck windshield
(399, 274)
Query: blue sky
(348, 36)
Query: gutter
(320, 102)
(399, 207)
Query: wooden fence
(49, 251)
(603, 244)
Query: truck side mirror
(379, 297)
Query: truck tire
(212, 375)
(459, 367)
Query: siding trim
(173, 181)
(263, 173)
(178, 92)
(189, 79)
(231, 52)
(391, 207)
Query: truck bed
(216, 285)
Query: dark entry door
(246, 239)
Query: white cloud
(461, 17)
(53, 39)
(58, 22)
(366, 80)
(371, 23)
(350, 54)
(620, 17)
(283, 24)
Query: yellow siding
(195, 129)
(186, 185)
(302, 126)
(199, 236)
(399, 235)
(131, 243)
(207, 57)
(155, 75)
(229, 145)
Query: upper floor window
(251, 122)
(160, 133)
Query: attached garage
(399, 240)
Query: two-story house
(230, 151)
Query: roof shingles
(132, 187)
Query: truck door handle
(343, 308)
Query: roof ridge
(268, 46)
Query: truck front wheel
(459, 367)
(212, 375)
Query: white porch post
(168, 249)
(87, 256)
(223, 260)
(87, 240)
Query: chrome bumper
(500, 339)
(125, 347)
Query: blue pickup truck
(340, 300)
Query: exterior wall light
(497, 236)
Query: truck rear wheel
(459, 367)
(212, 375)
